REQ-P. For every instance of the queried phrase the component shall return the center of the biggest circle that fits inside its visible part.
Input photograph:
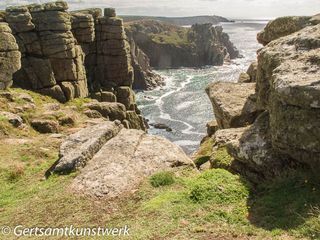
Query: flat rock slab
(124, 161)
(81, 146)
(234, 104)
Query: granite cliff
(181, 21)
(268, 122)
(171, 46)
(68, 55)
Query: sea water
(182, 103)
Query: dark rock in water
(161, 126)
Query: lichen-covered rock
(283, 26)
(244, 78)
(252, 71)
(288, 87)
(253, 149)
(234, 104)
(81, 146)
(132, 156)
(126, 96)
(113, 53)
(10, 57)
(112, 110)
(51, 57)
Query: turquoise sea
(183, 104)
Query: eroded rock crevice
(285, 132)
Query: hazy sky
(258, 9)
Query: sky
(235, 9)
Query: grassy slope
(212, 205)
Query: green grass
(204, 153)
(221, 158)
(184, 204)
(162, 179)
(175, 38)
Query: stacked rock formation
(52, 61)
(10, 57)
(68, 55)
(84, 29)
(287, 132)
(113, 52)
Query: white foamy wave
(186, 143)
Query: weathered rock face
(10, 57)
(52, 61)
(66, 55)
(234, 104)
(144, 77)
(287, 134)
(114, 160)
(170, 46)
(131, 156)
(285, 26)
(80, 147)
(117, 111)
(288, 87)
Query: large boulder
(234, 104)
(284, 26)
(111, 110)
(124, 161)
(81, 146)
(288, 87)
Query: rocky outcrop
(288, 87)
(285, 26)
(144, 77)
(132, 156)
(170, 46)
(114, 160)
(68, 55)
(181, 21)
(10, 57)
(286, 134)
(234, 104)
(80, 147)
(52, 61)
